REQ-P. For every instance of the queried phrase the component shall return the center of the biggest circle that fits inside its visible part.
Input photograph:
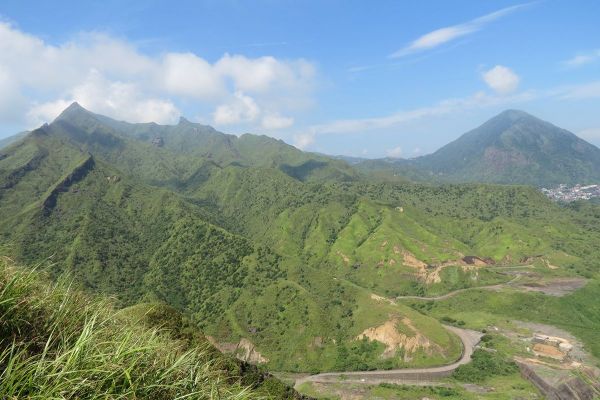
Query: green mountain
(179, 154)
(98, 203)
(282, 257)
(511, 148)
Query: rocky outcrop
(477, 261)
(572, 389)
(158, 141)
(244, 350)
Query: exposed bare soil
(387, 333)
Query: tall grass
(56, 343)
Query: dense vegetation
(253, 239)
(484, 364)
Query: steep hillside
(12, 139)
(513, 147)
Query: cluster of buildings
(571, 193)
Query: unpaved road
(468, 338)
(553, 287)
(455, 292)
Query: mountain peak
(517, 147)
(514, 115)
(73, 110)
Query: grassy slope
(57, 343)
(352, 228)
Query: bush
(483, 365)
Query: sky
(356, 78)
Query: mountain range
(289, 258)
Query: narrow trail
(457, 291)
(468, 338)
(554, 287)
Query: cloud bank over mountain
(112, 76)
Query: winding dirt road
(468, 338)
(553, 287)
(457, 291)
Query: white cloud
(40, 113)
(263, 74)
(582, 59)
(11, 100)
(115, 99)
(109, 75)
(304, 140)
(189, 75)
(444, 107)
(242, 108)
(441, 36)
(501, 79)
(276, 121)
(395, 152)
(583, 91)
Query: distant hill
(512, 148)
(11, 139)
(138, 218)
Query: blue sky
(362, 78)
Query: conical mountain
(516, 147)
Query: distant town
(568, 193)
